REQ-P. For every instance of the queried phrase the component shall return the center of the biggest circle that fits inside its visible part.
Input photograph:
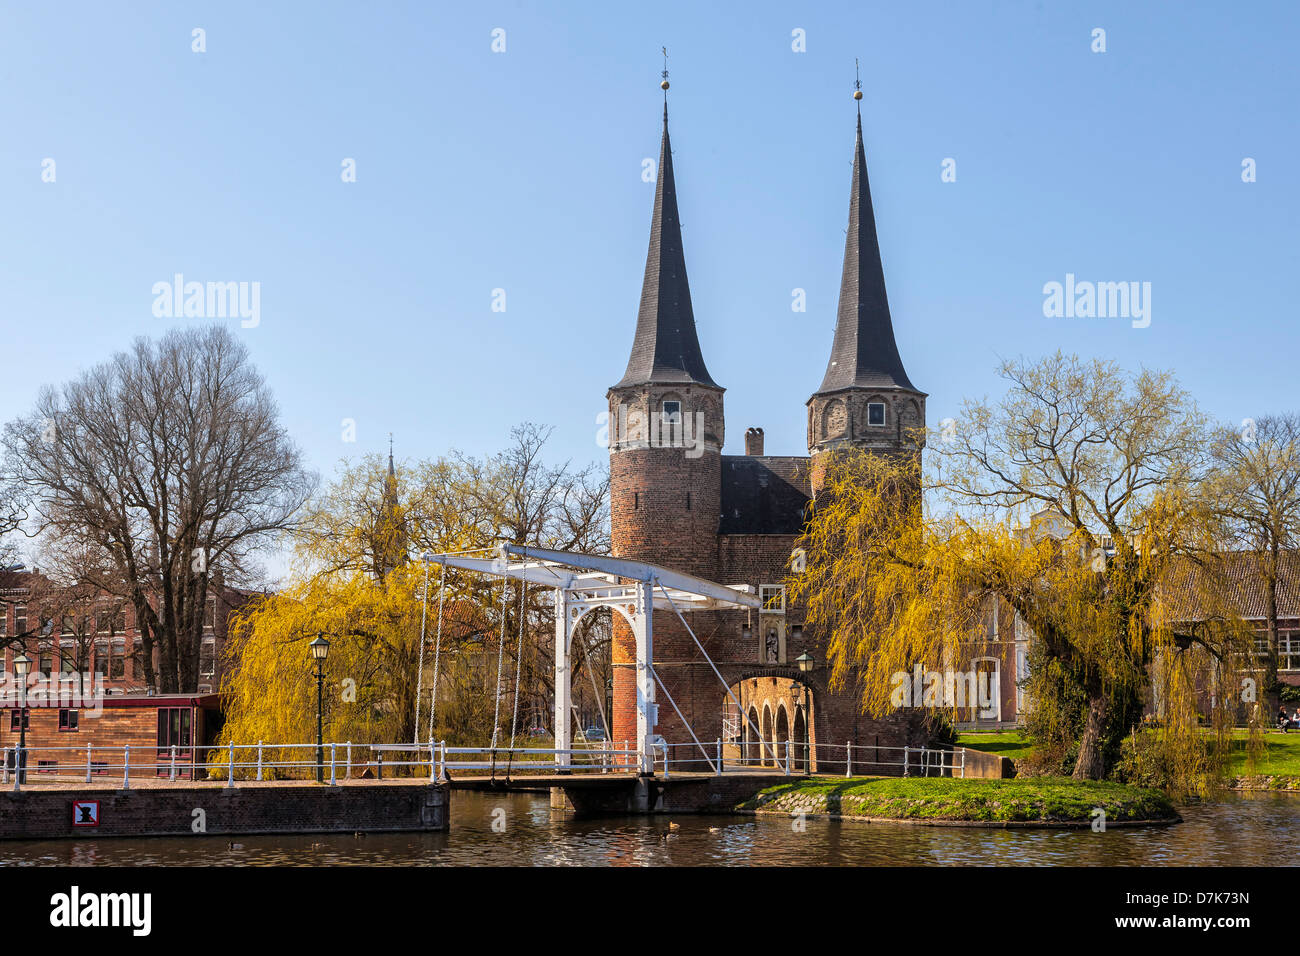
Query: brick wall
(371, 807)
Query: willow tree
(357, 577)
(1115, 461)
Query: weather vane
(857, 80)
(664, 85)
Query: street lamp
(320, 649)
(806, 664)
(22, 667)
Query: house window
(46, 766)
(20, 619)
(209, 615)
(672, 413)
(101, 658)
(68, 721)
(45, 657)
(173, 726)
(117, 659)
(773, 598)
(68, 656)
(15, 716)
(875, 413)
(208, 658)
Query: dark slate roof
(864, 353)
(763, 495)
(666, 348)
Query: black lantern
(806, 664)
(22, 667)
(320, 649)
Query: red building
(86, 690)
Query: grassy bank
(1278, 767)
(1042, 800)
(1004, 743)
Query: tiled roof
(666, 349)
(864, 353)
(1245, 593)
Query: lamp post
(806, 664)
(22, 667)
(320, 649)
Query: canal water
(520, 830)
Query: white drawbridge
(586, 582)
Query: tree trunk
(1091, 764)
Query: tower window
(875, 413)
(773, 598)
(672, 413)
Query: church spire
(666, 349)
(864, 353)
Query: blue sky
(521, 170)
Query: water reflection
(1247, 830)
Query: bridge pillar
(647, 711)
(563, 688)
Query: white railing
(602, 757)
(261, 761)
(229, 761)
(791, 757)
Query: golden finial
(664, 84)
(857, 83)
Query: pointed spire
(666, 349)
(864, 352)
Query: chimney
(754, 442)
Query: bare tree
(170, 460)
(1257, 493)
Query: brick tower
(666, 434)
(866, 399)
(677, 501)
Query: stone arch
(835, 419)
(753, 752)
(782, 733)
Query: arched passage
(774, 711)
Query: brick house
(65, 633)
(677, 501)
(1009, 637)
(68, 635)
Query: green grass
(1281, 756)
(1004, 743)
(1038, 800)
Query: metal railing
(796, 757)
(263, 761)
